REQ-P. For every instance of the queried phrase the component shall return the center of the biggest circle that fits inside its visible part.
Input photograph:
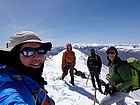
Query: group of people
(22, 63)
(119, 77)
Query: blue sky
(75, 21)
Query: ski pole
(94, 96)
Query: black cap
(92, 50)
(112, 48)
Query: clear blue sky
(75, 21)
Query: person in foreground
(21, 67)
(94, 65)
(119, 78)
(68, 62)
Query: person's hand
(108, 77)
(106, 89)
(112, 90)
(99, 71)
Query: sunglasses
(28, 52)
(69, 47)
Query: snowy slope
(81, 94)
(120, 47)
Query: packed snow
(64, 93)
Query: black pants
(66, 70)
(95, 74)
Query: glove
(112, 90)
(99, 72)
(64, 68)
(106, 89)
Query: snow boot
(93, 83)
(61, 78)
(72, 81)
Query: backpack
(92, 60)
(134, 65)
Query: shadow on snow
(81, 91)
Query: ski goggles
(28, 52)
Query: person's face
(93, 52)
(32, 59)
(111, 54)
(69, 48)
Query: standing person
(21, 68)
(94, 65)
(119, 78)
(68, 62)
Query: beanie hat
(112, 48)
(24, 37)
(92, 50)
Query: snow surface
(64, 93)
(121, 47)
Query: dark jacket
(94, 62)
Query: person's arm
(74, 59)
(63, 61)
(100, 63)
(125, 74)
